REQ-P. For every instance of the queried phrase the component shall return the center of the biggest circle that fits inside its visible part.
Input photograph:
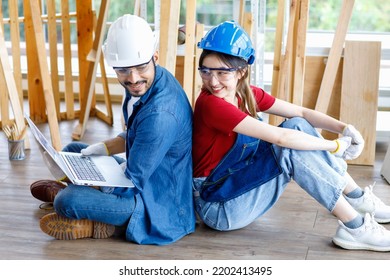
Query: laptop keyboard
(85, 169)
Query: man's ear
(155, 56)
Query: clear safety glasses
(126, 71)
(221, 74)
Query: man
(158, 137)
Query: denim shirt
(248, 164)
(159, 162)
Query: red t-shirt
(213, 135)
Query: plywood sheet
(359, 93)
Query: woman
(240, 160)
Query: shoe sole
(63, 228)
(382, 221)
(358, 246)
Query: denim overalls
(249, 163)
(223, 207)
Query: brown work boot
(46, 190)
(63, 228)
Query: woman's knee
(301, 124)
(295, 123)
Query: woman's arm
(315, 118)
(284, 137)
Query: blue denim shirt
(159, 162)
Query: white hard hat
(130, 41)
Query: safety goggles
(221, 74)
(126, 71)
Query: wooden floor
(297, 228)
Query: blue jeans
(82, 202)
(319, 173)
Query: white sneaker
(370, 236)
(370, 203)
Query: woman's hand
(343, 143)
(357, 143)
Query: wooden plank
(108, 116)
(334, 56)
(286, 62)
(67, 56)
(241, 12)
(85, 30)
(11, 87)
(137, 8)
(359, 93)
(94, 57)
(53, 51)
(274, 120)
(197, 80)
(33, 5)
(188, 73)
(15, 40)
(300, 52)
(315, 68)
(248, 23)
(169, 22)
(36, 99)
(4, 100)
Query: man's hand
(95, 149)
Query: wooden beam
(85, 30)
(334, 56)
(197, 80)
(300, 52)
(53, 43)
(36, 99)
(94, 57)
(169, 22)
(4, 100)
(33, 5)
(188, 73)
(66, 45)
(241, 12)
(15, 39)
(286, 63)
(274, 120)
(11, 88)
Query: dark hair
(248, 102)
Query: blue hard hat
(229, 38)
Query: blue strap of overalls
(248, 164)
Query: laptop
(82, 170)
